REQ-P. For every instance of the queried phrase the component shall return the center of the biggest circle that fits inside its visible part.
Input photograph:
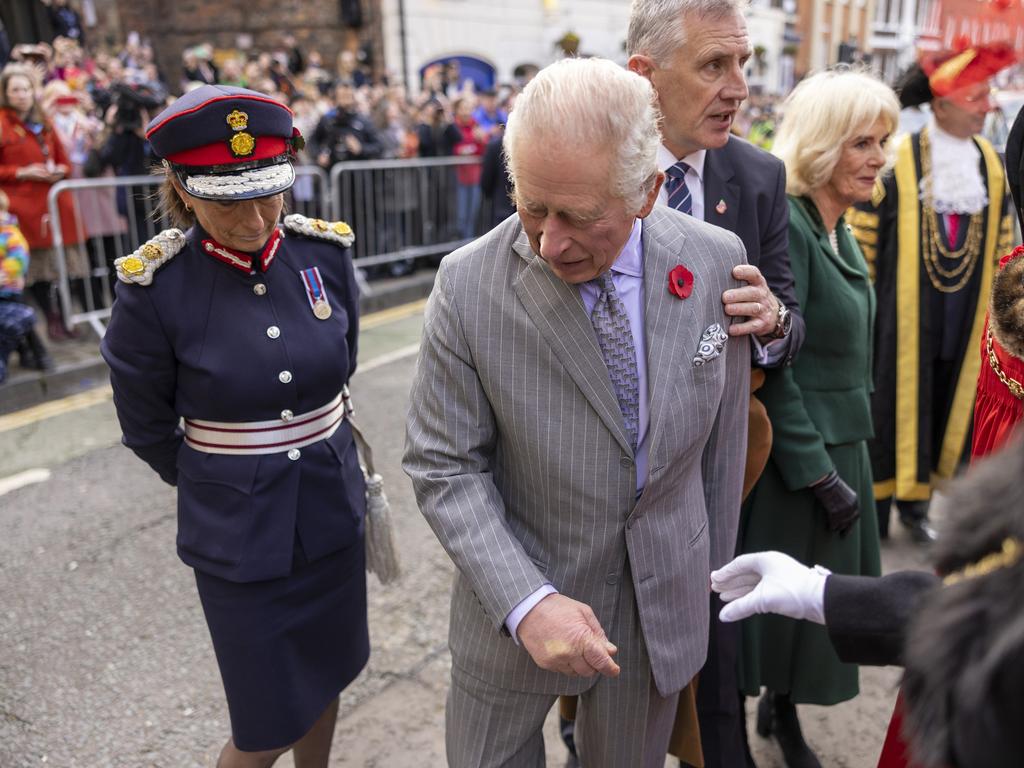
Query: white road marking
(20, 480)
(399, 354)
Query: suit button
(259, 289)
(629, 524)
(294, 454)
(284, 377)
(287, 415)
(625, 461)
(273, 331)
(612, 578)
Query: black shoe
(785, 726)
(921, 531)
(883, 507)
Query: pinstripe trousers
(621, 722)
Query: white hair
(824, 112)
(656, 27)
(591, 103)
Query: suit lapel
(667, 323)
(719, 188)
(556, 309)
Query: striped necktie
(675, 185)
(615, 338)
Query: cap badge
(242, 144)
(238, 120)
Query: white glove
(770, 582)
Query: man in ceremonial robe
(933, 234)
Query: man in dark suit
(694, 56)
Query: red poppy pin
(680, 282)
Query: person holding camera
(128, 153)
(344, 133)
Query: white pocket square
(712, 342)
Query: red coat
(469, 146)
(20, 147)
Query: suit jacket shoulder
(750, 161)
(745, 192)
(668, 226)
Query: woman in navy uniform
(230, 347)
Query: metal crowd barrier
(401, 211)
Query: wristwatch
(784, 322)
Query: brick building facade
(326, 26)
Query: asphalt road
(104, 655)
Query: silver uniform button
(259, 289)
(284, 377)
(273, 331)
(294, 454)
(287, 415)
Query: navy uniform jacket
(195, 344)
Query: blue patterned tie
(675, 186)
(611, 324)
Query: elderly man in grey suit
(576, 434)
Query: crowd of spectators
(97, 101)
(343, 111)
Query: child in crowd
(17, 320)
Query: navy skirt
(286, 647)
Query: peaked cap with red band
(227, 143)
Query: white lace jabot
(956, 182)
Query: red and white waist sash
(249, 438)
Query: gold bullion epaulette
(333, 231)
(140, 266)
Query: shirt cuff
(767, 355)
(525, 606)
(816, 610)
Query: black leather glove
(840, 502)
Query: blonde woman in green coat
(813, 500)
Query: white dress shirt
(694, 178)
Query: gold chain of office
(932, 247)
(1015, 387)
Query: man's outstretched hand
(563, 635)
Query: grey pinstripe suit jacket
(521, 463)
